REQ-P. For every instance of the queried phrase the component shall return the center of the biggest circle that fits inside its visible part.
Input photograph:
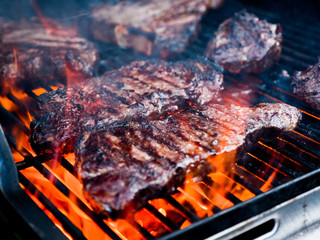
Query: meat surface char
(32, 52)
(143, 89)
(245, 44)
(306, 84)
(124, 165)
(161, 28)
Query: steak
(33, 52)
(245, 44)
(143, 89)
(124, 165)
(161, 28)
(306, 84)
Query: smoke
(56, 9)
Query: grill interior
(272, 172)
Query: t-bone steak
(142, 89)
(124, 165)
(161, 28)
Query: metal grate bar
(68, 166)
(298, 55)
(7, 118)
(276, 161)
(308, 146)
(143, 231)
(163, 219)
(302, 48)
(262, 170)
(63, 189)
(290, 151)
(247, 185)
(229, 196)
(189, 215)
(66, 223)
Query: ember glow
(201, 197)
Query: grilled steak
(142, 89)
(161, 28)
(244, 44)
(31, 51)
(306, 84)
(124, 165)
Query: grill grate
(294, 158)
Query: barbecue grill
(272, 193)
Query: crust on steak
(245, 44)
(124, 165)
(306, 84)
(161, 28)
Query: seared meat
(32, 52)
(306, 84)
(161, 28)
(124, 165)
(142, 89)
(244, 44)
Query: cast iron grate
(295, 156)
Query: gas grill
(272, 193)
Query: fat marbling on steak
(124, 165)
(244, 44)
(32, 52)
(142, 89)
(306, 84)
(161, 28)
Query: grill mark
(151, 149)
(197, 143)
(150, 73)
(115, 96)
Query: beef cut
(143, 89)
(161, 28)
(124, 165)
(33, 52)
(306, 84)
(245, 44)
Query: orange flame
(199, 197)
(51, 26)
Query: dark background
(68, 11)
(64, 10)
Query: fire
(202, 197)
(51, 26)
(198, 197)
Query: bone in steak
(244, 44)
(143, 89)
(124, 165)
(306, 84)
(32, 52)
(161, 28)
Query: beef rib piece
(32, 52)
(161, 28)
(124, 165)
(306, 84)
(245, 44)
(142, 89)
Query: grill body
(288, 208)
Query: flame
(51, 26)
(198, 196)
